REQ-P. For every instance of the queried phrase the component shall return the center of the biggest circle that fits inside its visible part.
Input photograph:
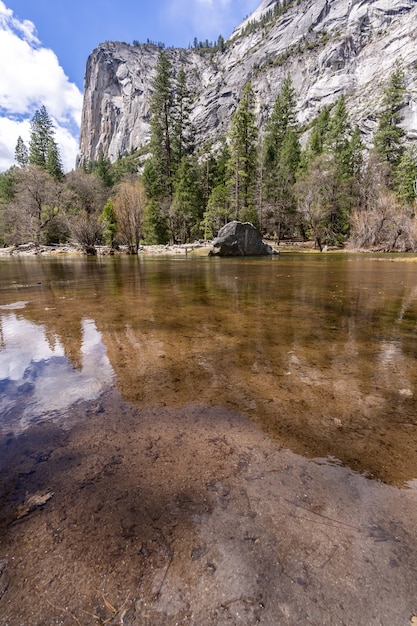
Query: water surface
(319, 350)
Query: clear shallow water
(319, 350)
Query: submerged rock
(240, 239)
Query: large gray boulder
(240, 239)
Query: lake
(187, 373)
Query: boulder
(240, 239)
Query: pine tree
(109, 221)
(218, 212)
(21, 153)
(43, 149)
(316, 141)
(389, 136)
(281, 157)
(338, 135)
(53, 161)
(182, 130)
(283, 117)
(161, 130)
(406, 176)
(185, 210)
(243, 136)
(331, 165)
(102, 168)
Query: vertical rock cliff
(328, 47)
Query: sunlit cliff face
(328, 49)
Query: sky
(44, 46)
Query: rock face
(240, 239)
(328, 47)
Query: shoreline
(197, 248)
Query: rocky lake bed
(194, 516)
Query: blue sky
(44, 46)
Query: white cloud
(9, 132)
(31, 76)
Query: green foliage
(243, 136)
(125, 165)
(218, 211)
(185, 211)
(269, 17)
(406, 176)
(306, 44)
(208, 46)
(281, 156)
(155, 225)
(169, 178)
(182, 129)
(43, 149)
(389, 136)
(109, 221)
(8, 184)
(8, 190)
(161, 130)
(329, 170)
(21, 153)
(102, 168)
(193, 190)
(316, 141)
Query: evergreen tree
(161, 130)
(43, 149)
(21, 153)
(281, 157)
(221, 45)
(389, 136)
(218, 211)
(214, 186)
(330, 169)
(185, 213)
(355, 154)
(53, 161)
(283, 118)
(243, 136)
(406, 176)
(182, 130)
(109, 221)
(102, 168)
(155, 226)
(337, 138)
(316, 141)
(337, 146)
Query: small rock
(4, 579)
(406, 393)
(36, 501)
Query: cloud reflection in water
(37, 380)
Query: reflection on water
(36, 377)
(318, 350)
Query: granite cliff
(328, 47)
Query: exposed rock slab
(240, 239)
